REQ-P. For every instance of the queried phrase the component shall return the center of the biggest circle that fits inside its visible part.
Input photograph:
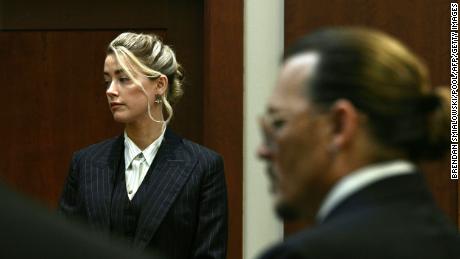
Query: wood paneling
(54, 105)
(423, 25)
(223, 103)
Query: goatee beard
(286, 212)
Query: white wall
(263, 46)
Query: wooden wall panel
(423, 25)
(223, 101)
(55, 104)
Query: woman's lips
(115, 105)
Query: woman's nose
(112, 89)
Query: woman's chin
(120, 118)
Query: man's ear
(345, 120)
(161, 85)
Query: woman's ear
(161, 85)
(345, 119)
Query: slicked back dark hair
(383, 80)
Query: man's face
(295, 140)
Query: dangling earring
(158, 99)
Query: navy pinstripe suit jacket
(185, 213)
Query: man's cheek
(288, 147)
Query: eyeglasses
(271, 125)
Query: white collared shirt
(359, 179)
(144, 159)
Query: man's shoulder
(370, 234)
(297, 245)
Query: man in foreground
(350, 116)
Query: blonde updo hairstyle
(147, 54)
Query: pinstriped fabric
(183, 213)
(163, 187)
(118, 197)
(87, 193)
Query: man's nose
(264, 152)
(265, 149)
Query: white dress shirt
(137, 163)
(359, 179)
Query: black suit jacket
(392, 218)
(185, 215)
(29, 231)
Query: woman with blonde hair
(149, 186)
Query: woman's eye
(124, 80)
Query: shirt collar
(132, 150)
(359, 179)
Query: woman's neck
(143, 134)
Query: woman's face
(127, 101)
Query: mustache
(287, 212)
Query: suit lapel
(169, 172)
(100, 174)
